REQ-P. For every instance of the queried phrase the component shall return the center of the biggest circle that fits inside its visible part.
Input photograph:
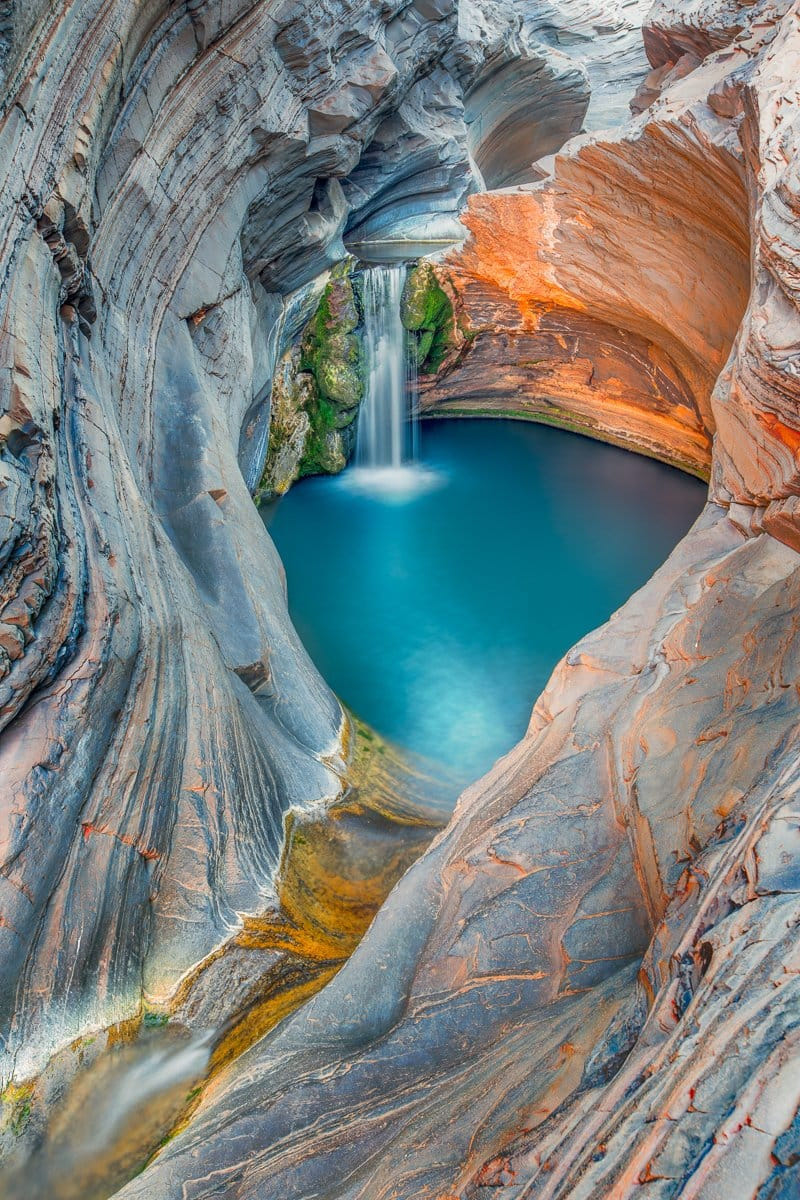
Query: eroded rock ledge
(588, 986)
(609, 297)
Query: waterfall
(388, 425)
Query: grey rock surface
(175, 183)
(588, 985)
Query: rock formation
(316, 393)
(176, 182)
(589, 982)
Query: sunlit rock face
(632, 353)
(588, 985)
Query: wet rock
(316, 393)
(427, 312)
(292, 393)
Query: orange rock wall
(602, 300)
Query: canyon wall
(588, 985)
(176, 180)
(609, 297)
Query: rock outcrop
(588, 985)
(316, 393)
(426, 311)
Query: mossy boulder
(424, 344)
(424, 301)
(293, 393)
(339, 382)
(317, 390)
(331, 353)
(330, 349)
(324, 452)
(427, 313)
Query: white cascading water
(388, 423)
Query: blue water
(437, 611)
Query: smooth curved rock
(176, 182)
(507, 131)
(544, 1006)
(589, 984)
(545, 327)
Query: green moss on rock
(324, 452)
(293, 393)
(330, 350)
(427, 313)
(316, 393)
(340, 383)
(17, 1100)
(425, 344)
(155, 1018)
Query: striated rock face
(588, 986)
(505, 137)
(513, 85)
(474, 1038)
(589, 983)
(548, 328)
(176, 182)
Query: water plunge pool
(436, 609)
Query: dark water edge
(438, 610)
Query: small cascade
(257, 456)
(388, 425)
(110, 1117)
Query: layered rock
(543, 1007)
(416, 174)
(176, 184)
(139, 585)
(506, 135)
(588, 985)
(546, 328)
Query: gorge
(583, 980)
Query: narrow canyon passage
(398, 797)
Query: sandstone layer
(588, 986)
(548, 326)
